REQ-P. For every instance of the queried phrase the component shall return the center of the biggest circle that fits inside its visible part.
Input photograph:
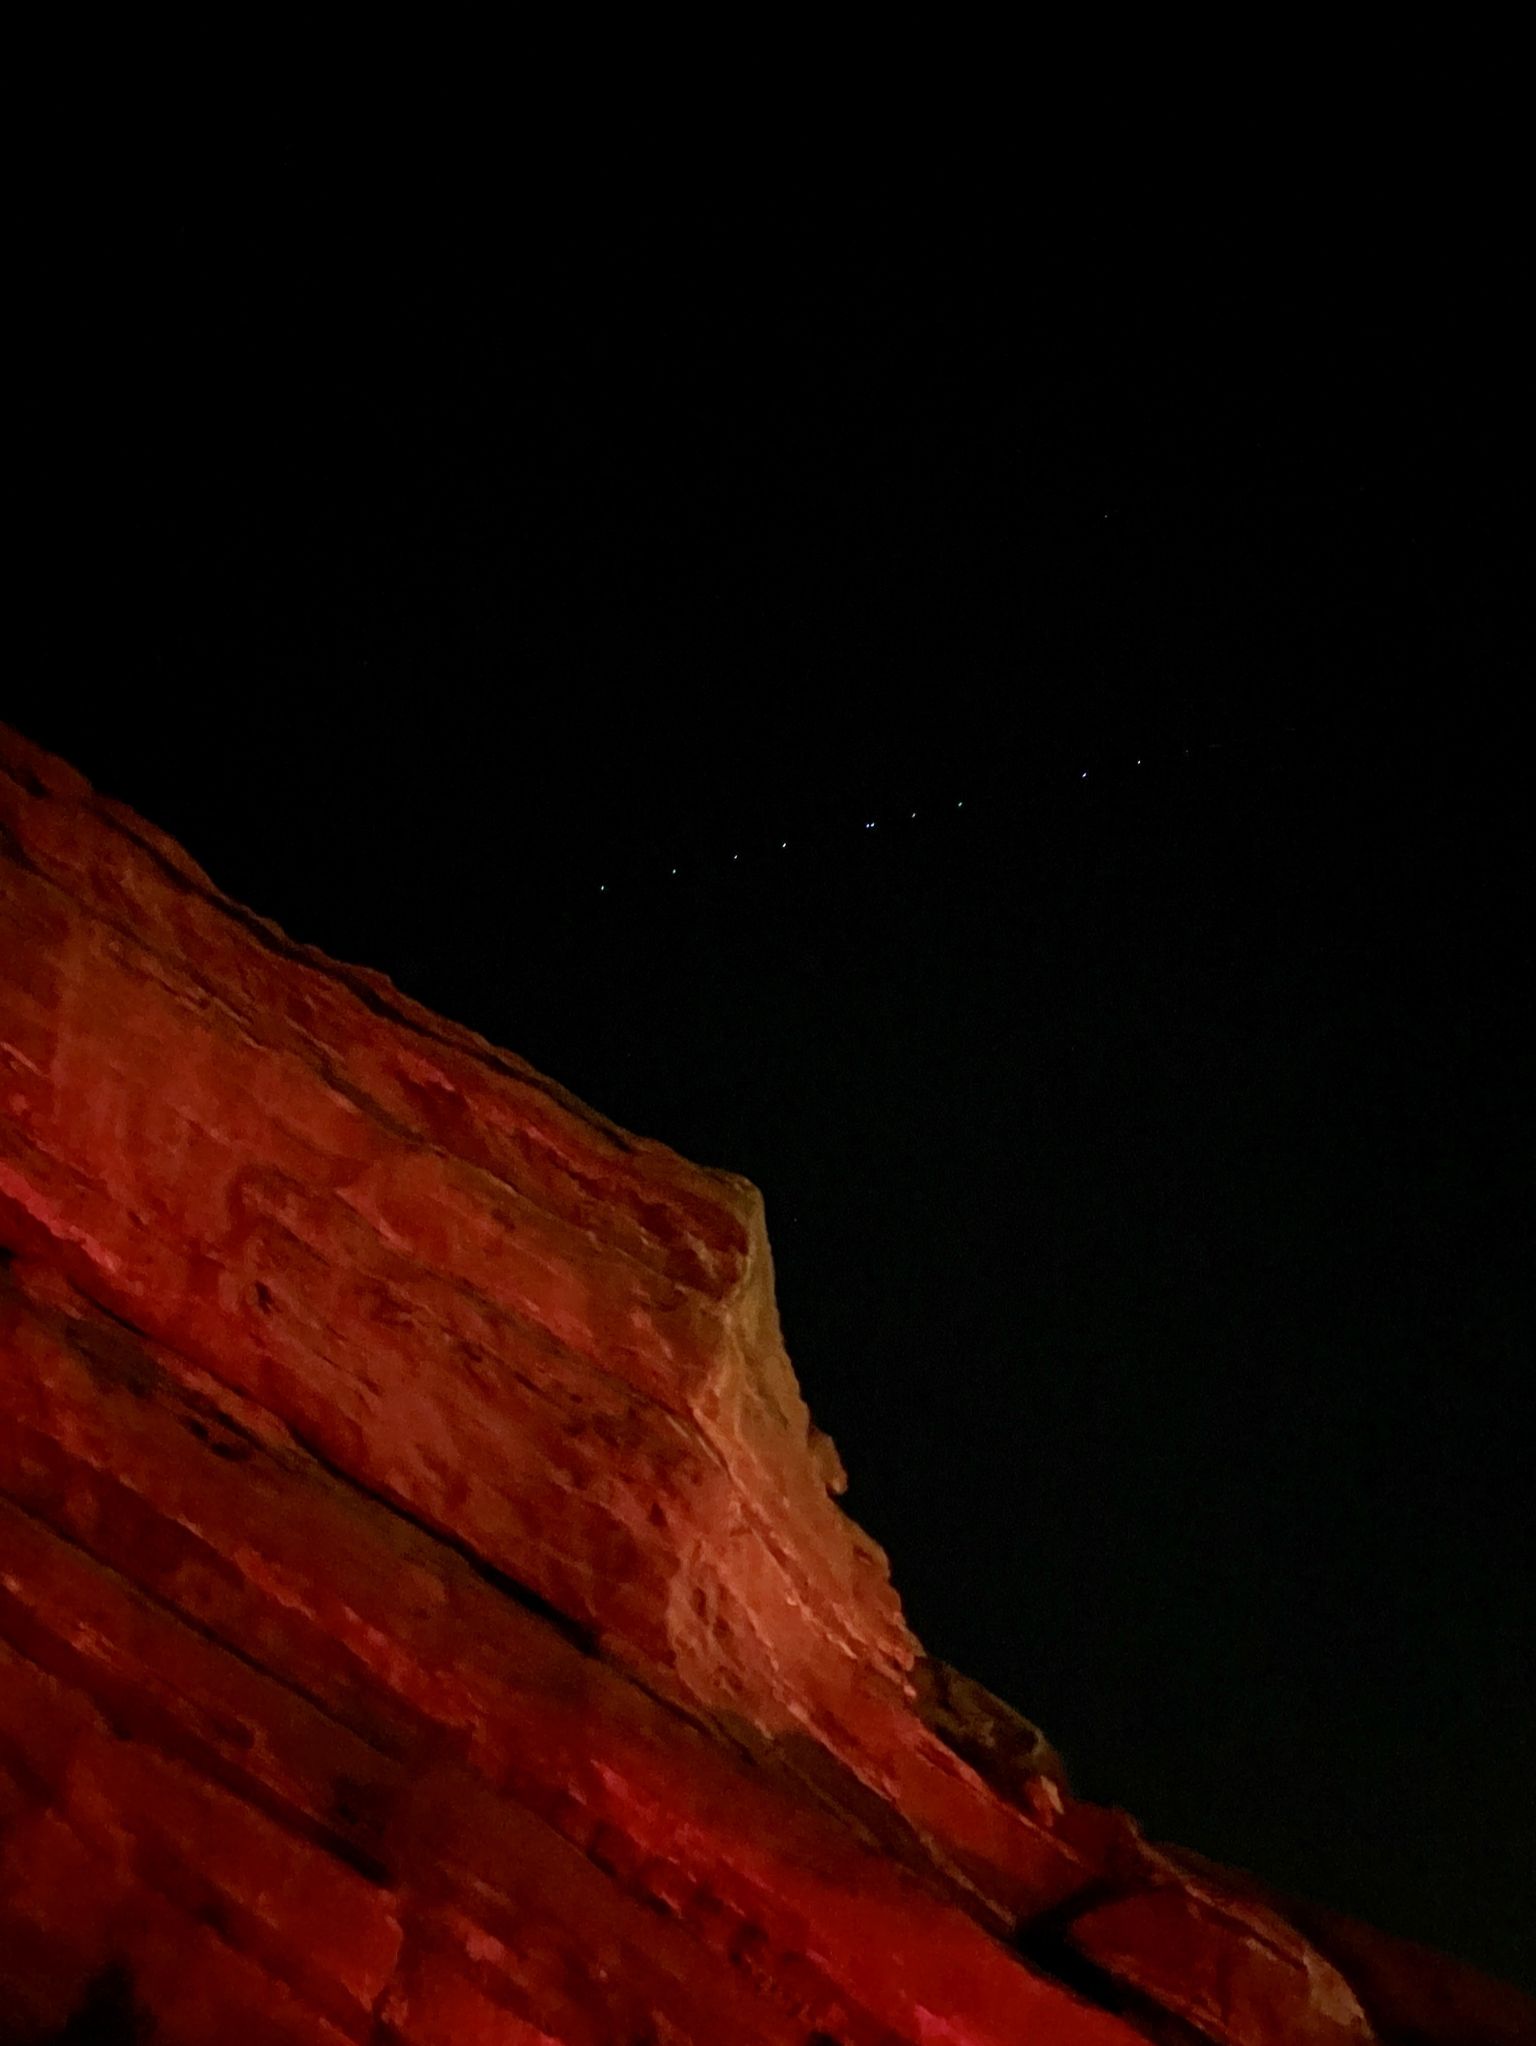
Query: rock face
(425, 1616)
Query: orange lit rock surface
(425, 1614)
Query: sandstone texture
(425, 1612)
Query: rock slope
(425, 1613)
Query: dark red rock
(424, 1610)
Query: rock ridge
(425, 1610)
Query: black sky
(1145, 1123)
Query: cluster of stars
(872, 824)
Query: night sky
(1002, 733)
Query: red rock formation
(424, 1613)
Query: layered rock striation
(425, 1613)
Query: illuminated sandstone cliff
(425, 1615)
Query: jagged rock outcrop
(425, 1614)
